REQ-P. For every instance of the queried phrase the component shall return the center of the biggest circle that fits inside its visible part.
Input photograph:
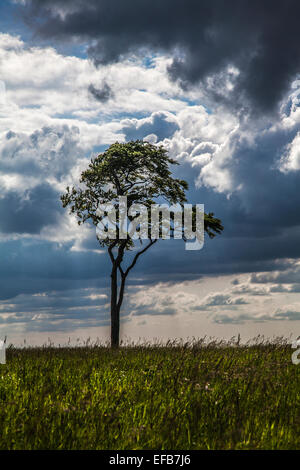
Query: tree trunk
(115, 302)
(114, 310)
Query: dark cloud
(43, 311)
(102, 94)
(39, 260)
(259, 37)
(28, 213)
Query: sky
(217, 83)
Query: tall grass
(196, 395)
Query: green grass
(142, 397)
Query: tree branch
(125, 274)
(138, 255)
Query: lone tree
(140, 171)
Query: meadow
(184, 396)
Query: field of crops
(141, 397)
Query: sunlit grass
(176, 396)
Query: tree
(140, 171)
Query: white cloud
(52, 85)
(45, 88)
(289, 275)
(50, 123)
(161, 299)
(248, 288)
(291, 161)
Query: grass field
(142, 397)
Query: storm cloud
(243, 51)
